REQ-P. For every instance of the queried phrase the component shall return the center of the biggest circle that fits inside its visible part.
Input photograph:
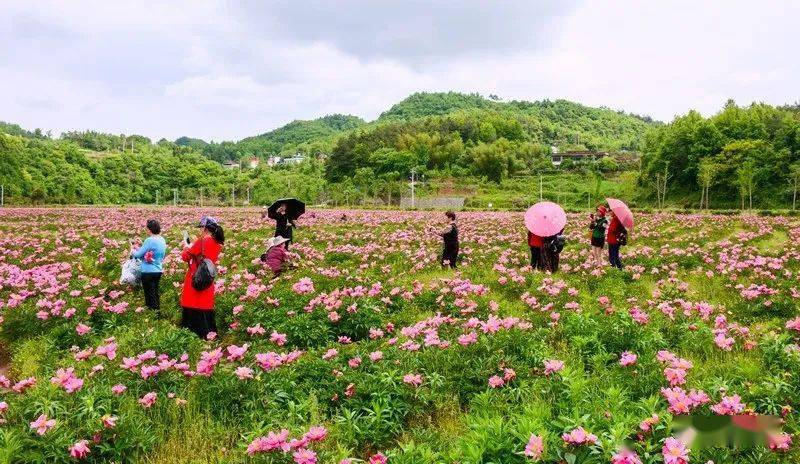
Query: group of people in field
(202, 254)
(604, 228)
(197, 303)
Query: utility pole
(2, 196)
(201, 197)
(413, 183)
(233, 196)
(248, 195)
(540, 187)
(157, 191)
(174, 197)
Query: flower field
(368, 351)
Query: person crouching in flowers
(198, 305)
(276, 257)
(597, 236)
(450, 241)
(151, 254)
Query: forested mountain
(300, 134)
(566, 121)
(470, 135)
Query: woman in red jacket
(536, 243)
(198, 306)
(615, 228)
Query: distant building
(231, 165)
(297, 159)
(273, 161)
(557, 158)
(254, 162)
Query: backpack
(556, 245)
(205, 273)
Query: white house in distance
(557, 157)
(296, 159)
(253, 162)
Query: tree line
(739, 157)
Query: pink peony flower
(378, 458)
(552, 366)
(80, 449)
(413, 379)
(244, 372)
(42, 424)
(148, 399)
(82, 329)
(496, 381)
(316, 433)
(627, 359)
(780, 442)
(625, 457)
(109, 421)
(304, 456)
(675, 452)
(535, 447)
(578, 437)
(729, 406)
(118, 389)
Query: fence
(433, 203)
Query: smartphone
(186, 237)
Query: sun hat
(602, 210)
(205, 221)
(275, 241)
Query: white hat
(275, 241)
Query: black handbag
(205, 273)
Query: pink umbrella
(622, 212)
(545, 219)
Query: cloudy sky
(229, 69)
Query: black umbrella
(294, 208)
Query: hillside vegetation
(740, 157)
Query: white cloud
(218, 70)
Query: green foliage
(764, 138)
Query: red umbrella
(622, 212)
(545, 219)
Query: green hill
(562, 122)
(422, 104)
(292, 136)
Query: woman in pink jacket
(276, 256)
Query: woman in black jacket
(450, 241)
(283, 225)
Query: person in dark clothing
(535, 243)
(450, 240)
(551, 251)
(597, 226)
(615, 229)
(283, 225)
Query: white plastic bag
(131, 272)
